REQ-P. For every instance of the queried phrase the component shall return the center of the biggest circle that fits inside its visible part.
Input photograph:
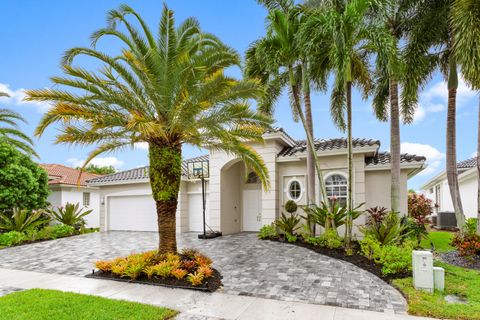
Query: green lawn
(39, 304)
(459, 281)
(440, 239)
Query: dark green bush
(291, 206)
(268, 231)
(397, 259)
(330, 239)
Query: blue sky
(36, 33)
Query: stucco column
(270, 203)
(216, 161)
(182, 209)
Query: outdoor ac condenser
(423, 270)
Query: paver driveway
(249, 267)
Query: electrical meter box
(422, 270)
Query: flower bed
(188, 269)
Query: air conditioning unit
(446, 220)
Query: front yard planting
(461, 282)
(39, 304)
(188, 269)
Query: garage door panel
(132, 213)
(195, 212)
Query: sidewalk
(191, 304)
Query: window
(86, 199)
(295, 190)
(253, 178)
(336, 187)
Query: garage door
(132, 213)
(195, 214)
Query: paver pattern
(249, 266)
(7, 290)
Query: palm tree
(277, 61)
(430, 47)
(351, 40)
(11, 134)
(166, 91)
(394, 16)
(465, 20)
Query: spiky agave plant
(165, 91)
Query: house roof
(384, 158)
(327, 144)
(60, 174)
(140, 173)
(467, 164)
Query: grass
(441, 240)
(459, 281)
(39, 304)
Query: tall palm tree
(430, 47)
(351, 41)
(389, 75)
(166, 91)
(278, 62)
(465, 21)
(11, 134)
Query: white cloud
(16, 98)
(141, 145)
(439, 92)
(433, 155)
(102, 162)
(473, 155)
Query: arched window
(336, 187)
(253, 178)
(294, 190)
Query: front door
(252, 209)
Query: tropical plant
(268, 231)
(414, 228)
(70, 215)
(396, 259)
(22, 220)
(376, 214)
(165, 91)
(330, 217)
(350, 41)
(11, 134)
(419, 206)
(12, 238)
(388, 230)
(291, 206)
(288, 225)
(23, 183)
(91, 168)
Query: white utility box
(422, 270)
(439, 278)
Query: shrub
(134, 267)
(471, 226)
(189, 253)
(376, 214)
(179, 273)
(202, 260)
(268, 231)
(290, 238)
(419, 206)
(195, 278)
(12, 238)
(288, 225)
(62, 230)
(22, 220)
(330, 217)
(104, 265)
(291, 206)
(315, 241)
(370, 247)
(396, 259)
(414, 228)
(206, 271)
(189, 265)
(467, 245)
(387, 230)
(70, 215)
(330, 239)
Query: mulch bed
(356, 259)
(456, 259)
(210, 284)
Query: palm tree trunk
(310, 150)
(478, 169)
(394, 147)
(165, 174)
(452, 173)
(348, 221)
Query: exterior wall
(55, 197)
(468, 192)
(377, 182)
(231, 199)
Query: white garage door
(132, 213)
(195, 212)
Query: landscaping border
(46, 240)
(209, 285)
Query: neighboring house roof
(327, 144)
(464, 169)
(60, 174)
(467, 164)
(384, 158)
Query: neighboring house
(64, 186)
(438, 191)
(236, 200)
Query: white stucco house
(438, 191)
(237, 202)
(62, 181)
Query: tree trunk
(478, 169)
(310, 151)
(452, 174)
(394, 147)
(348, 221)
(165, 174)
